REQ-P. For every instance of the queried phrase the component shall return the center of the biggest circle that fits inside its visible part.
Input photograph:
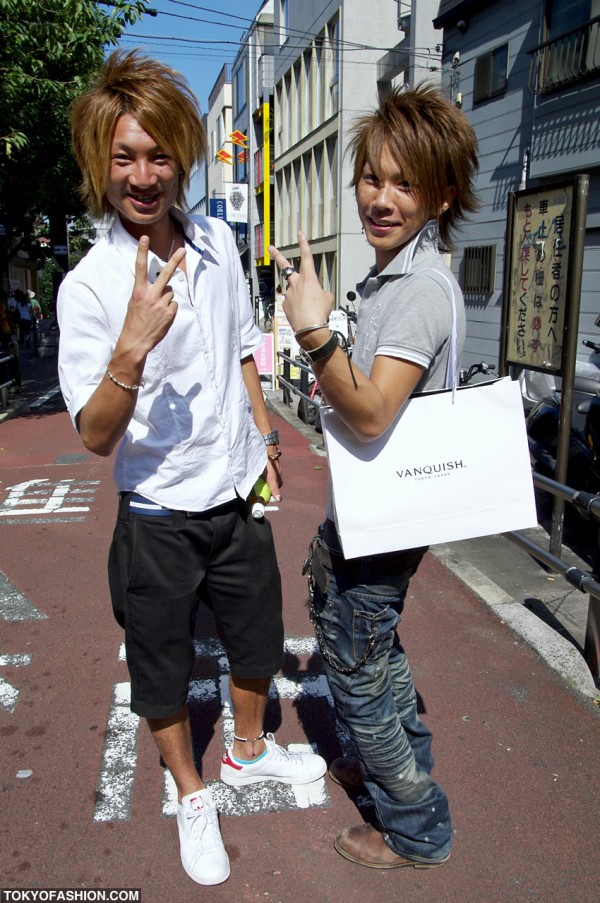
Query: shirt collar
(197, 235)
(403, 261)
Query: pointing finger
(141, 262)
(307, 264)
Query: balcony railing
(571, 57)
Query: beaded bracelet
(124, 386)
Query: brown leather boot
(347, 773)
(365, 846)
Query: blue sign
(218, 208)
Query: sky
(196, 38)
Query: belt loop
(179, 518)
(124, 505)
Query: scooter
(583, 467)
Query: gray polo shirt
(406, 311)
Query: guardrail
(8, 362)
(290, 388)
(589, 504)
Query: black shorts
(159, 569)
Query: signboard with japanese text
(285, 341)
(539, 261)
(265, 358)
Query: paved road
(86, 804)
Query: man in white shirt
(156, 356)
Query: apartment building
(527, 73)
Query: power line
(297, 33)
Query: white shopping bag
(447, 469)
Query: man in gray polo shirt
(414, 163)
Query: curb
(558, 653)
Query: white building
(218, 128)
(332, 62)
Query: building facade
(219, 174)
(527, 75)
(252, 79)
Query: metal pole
(591, 649)
(570, 355)
(287, 398)
(508, 243)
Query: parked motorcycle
(583, 468)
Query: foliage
(46, 284)
(48, 51)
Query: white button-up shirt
(192, 442)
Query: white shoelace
(280, 751)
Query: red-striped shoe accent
(227, 760)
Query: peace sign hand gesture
(150, 314)
(306, 302)
(152, 307)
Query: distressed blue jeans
(356, 607)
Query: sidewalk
(38, 376)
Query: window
(239, 86)
(283, 21)
(479, 270)
(491, 71)
(565, 15)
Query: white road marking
(117, 769)
(44, 497)
(14, 606)
(119, 759)
(9, 695)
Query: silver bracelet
(121, 385)
(311, 329)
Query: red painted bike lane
(86, 804)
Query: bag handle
(451, 381)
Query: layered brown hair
(161, 101)
(433, 144)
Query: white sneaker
(277, 764)
(202, 852)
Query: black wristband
(319, 354)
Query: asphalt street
(85, 802)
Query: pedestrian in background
(35, 306)
(156, 357)
(414, 160)
(25, 314)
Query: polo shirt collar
(402, 263)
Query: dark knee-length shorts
(161, 567)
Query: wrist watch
(271, 438)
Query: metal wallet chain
(341, 669)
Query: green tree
(48, 51)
